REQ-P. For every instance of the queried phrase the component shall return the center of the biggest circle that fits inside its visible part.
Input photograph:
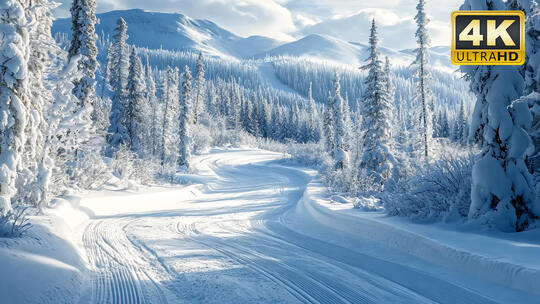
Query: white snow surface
(252, 228)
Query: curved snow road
(228, 240)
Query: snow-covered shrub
(202, 139)
(441, 189)
(309, 154)
(90, 171)
(127, 166)
(14, 223)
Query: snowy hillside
(327, 48)
(176, 32)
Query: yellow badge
(488, 38)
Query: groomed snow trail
(230, 240)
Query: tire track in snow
(117, 277)
(306, 286)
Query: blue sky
(290, 19)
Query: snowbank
(509, 260)
(47, 265)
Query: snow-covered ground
(250, 229)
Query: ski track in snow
(230, 244)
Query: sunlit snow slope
(251, 233)
(176, 32)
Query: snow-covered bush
(202, 139)
(90, 171)
(127, 166)
(14, 223)
(440, 190)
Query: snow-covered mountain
(176, 32)
(328, 48)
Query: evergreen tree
(341, 132)
(328, 125)
(532, 81)
(137, 111)
(14, 51)
(377, 156)
(390, 88)
(33, 183)
(461, 129)
(83, 43)
(423, 74)
(118, 129)
(186, 119)
(199, 90)
(152, 100)
(507, 202)
(314, 131)
(171, 118)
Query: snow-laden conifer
(171, 118)
(154, 106)
(502, 192)
(83, 43)
(14, 52)
(119, 70)
(423, 75)
(186, 118)
(199, 90)
(376, 159)
(138, 109)
(328, 125)
(341, 129)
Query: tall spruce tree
(154, 109)
(199, 89)
(502, 190)
(313, 124)
(118, 129)
(377, 157)
(422, 74)
(83, 43)
(186, 119)
(171, 118)
(14, 52)
(328, 125)
(341, 130)
(138, 106)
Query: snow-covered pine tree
(33, 183)
(423, 75)
(14, 52)
(377, 157)
(390, 88)
(171, 118)
(532, 81)
(341, 130)
(118, 130)
(186, 119)
(83, 43)
(105, 85)
(138, 106)
(199, 89)
(502, 191)
(154, 110)
(328, 125)
(313, 124)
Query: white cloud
(243, 17)
(345, 19)
(395, 31)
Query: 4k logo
(488, 38)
